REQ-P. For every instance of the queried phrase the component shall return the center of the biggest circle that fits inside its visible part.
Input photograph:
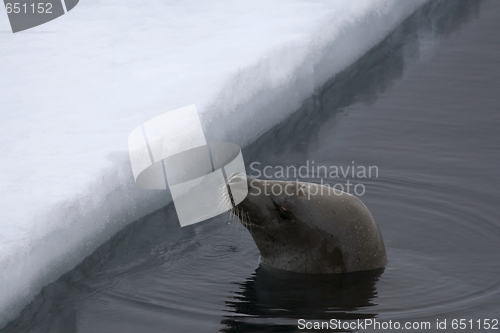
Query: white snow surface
(73, 89)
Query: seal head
(309, 228)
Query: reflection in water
(285, 297)
(364, 80)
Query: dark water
(424, 107)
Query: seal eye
(283, 212)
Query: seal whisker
(224, 198)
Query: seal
(309, 228)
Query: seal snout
(239, 182)
(239, 186)
(237, 179)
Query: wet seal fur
(309, 229)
